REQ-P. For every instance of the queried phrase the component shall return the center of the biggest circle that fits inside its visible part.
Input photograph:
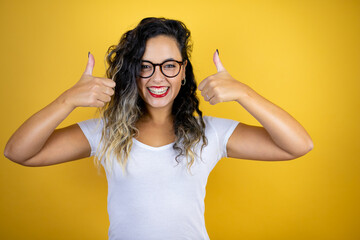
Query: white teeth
(158, 90)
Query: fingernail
(217, 52)
(88, 54)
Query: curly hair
(126, 107)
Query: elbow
(303, 150)
(9, 154)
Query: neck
(158, 115)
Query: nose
(158, 75)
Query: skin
(156, 127)
(37, 143)
(281, 137)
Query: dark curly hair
(126, 106)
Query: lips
(158, 91)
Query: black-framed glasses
(170, 68)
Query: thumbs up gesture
(90, 91)
(221, 86)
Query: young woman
(156, 152)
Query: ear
(185, 64)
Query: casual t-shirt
(158, 198)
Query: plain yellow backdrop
(303, 56)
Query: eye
(146, 68)
(169, 65)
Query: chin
(159, 103)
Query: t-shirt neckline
(143, 145)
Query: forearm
(285, 131)
(31, 136)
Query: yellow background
(304, 56)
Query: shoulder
(220, 127)
(217, 122)
(92, 122)
(93, 125)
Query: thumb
(90, 64)
(217, 62)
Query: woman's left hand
(221, 86)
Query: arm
(37, 143)
(281, 136)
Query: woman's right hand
(37, 142)
(89, 91)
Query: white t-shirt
(158, 198)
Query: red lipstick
(159, 95)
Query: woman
(156, 153)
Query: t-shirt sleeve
(92, 130)
(223, 128)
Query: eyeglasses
(170, 68)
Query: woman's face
(159, 91)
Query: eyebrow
(162, 61)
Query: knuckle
(95, 82)
(216, 90)
(93, 95)
(101, 104)
(108, 82)
(212, 83)
(93, 102)
(110, 91)
(95, 87)
(113, 83)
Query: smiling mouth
(158, 91)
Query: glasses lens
(146, 69)
(170, 68)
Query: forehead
(160, 48)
